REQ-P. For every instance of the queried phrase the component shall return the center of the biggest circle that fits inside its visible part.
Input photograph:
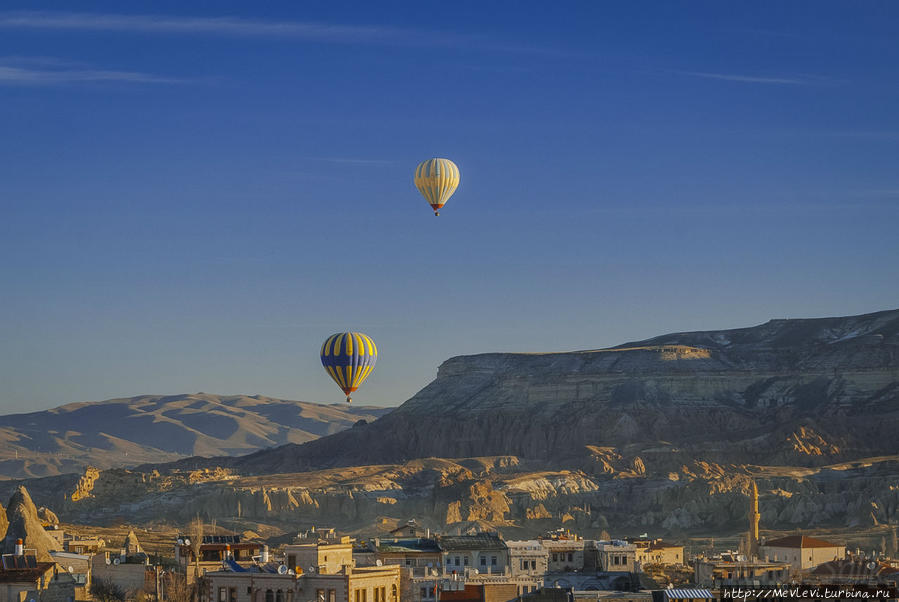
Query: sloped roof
(801, 541)
(852, 569)
(417, 544)
(480, 541)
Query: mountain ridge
(666, 434)
(706, 386)
(159, 428)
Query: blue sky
(194, 195)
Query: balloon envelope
(348, 358)
(436, 180)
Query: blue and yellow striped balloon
(348, 358)
(436, 180)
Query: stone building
(736, 570)
(527, 558)
(656, 551)
(131, 573)
(320, 556)
(256, 584)
(564, 555)
(802, 552)
(25, 578)
(422, 587)
(414, 552)
(78, 566)
(486, 552)
(196, 560)
(616, 556)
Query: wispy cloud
(750, 79)
(240, 27)
(37, 71)
(187, 25)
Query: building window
(424, 592)
(232, 594)
(570, 556)
(279, 596)
(319, 595)
(223, 594)
(493, 561)
(332, 595)
(534, 564)
(408, 562)
(269, 596)
(458, 561)
(465, 560)
(393, 591)
(555, 557)
(483, 561)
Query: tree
(104, 590)
(178, 590)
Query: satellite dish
(108, 561)
(282, 570)
(116, 561)
(379, 563)
(291, 572)
(71, 569)
(187, 542)
(430, 564)
(475, 571)
(312, 570)
(872, 565)
(180, 542)
(434, 572)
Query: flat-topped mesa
(640, 358)
(718, 389)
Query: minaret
(754, 517)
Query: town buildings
(326, 582)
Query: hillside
(664, 434)
(157, 428)
(805, 392)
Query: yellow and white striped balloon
(436, 180)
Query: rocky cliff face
(4, 523)
(794, 391)
(24, 524)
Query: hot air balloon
(349, 357)
(436, 180)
